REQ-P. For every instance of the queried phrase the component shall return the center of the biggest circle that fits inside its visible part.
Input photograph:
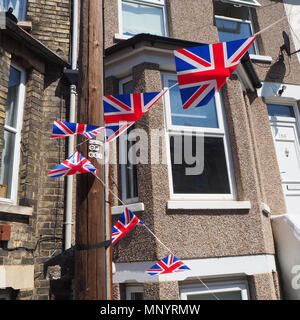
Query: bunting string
(150, 231)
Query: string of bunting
(201, 72)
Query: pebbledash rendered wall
(46, 100)
(218, 233)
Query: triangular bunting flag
(122, 111)
(73, 165)
(126, 223)
(63, 129)
(169, 264)
(203, 70)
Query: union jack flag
(63, 129)
(122, 111)
(169, 264)
(75, 164)
(126, 223)
(201, 71)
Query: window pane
(275, 110)
(229, 10)
(233, 30)
(234, 295)
(205, 116)
(7, 164)
(136, 296)
(19, 6)
(131, 172)
(138, 18)
(214, 178)
(12, 98)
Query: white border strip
(204, 268)
(192, 204)
(135, 207)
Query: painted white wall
(287, 238)
(200, 268)
(292, 8)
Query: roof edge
(13, 30)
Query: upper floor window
(10, 156)
(253, 3)
(200, 165)
(234, 22)
(19, 6)
(143, 16)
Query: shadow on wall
(277, 72)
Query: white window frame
(250, 22)
(25, 13)
(221, 132)
(246, 3)
(123, 155)
(17, 131)
(215, 288)
(152, 3)
(133, 289)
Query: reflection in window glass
(140, 18)
(19, 6)
(205, 116)
(233, 30)
(214, 178)
(275, 110)
(12, 98)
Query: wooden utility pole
(90, 263)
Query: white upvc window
(128, 170)
(229, 290)
(234, 22)
(19, 6)
(216, 180)
(134, 293)
(10, 158)
(142, 16)
(250, 3)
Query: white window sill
(259, 58)
(119, 36)
(208, 205)
(14, 209)
(134, 207)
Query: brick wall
(51, 24)
(47, 99)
